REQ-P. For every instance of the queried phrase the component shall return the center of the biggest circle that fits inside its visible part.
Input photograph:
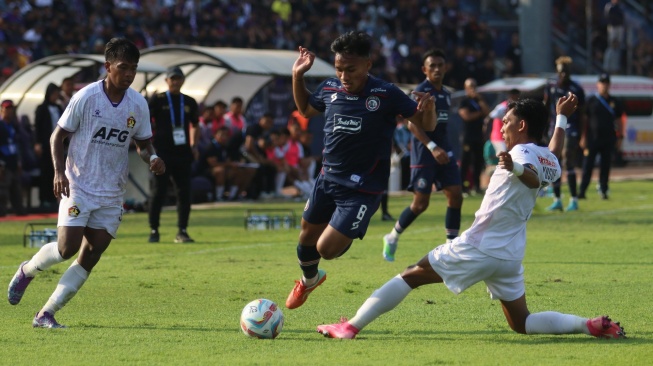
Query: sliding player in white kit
(100, 121)
(492, 249)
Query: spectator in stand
(205, 125)
(45, 119)
(612, 58)
(615, 18)
(514, 54)
(254, 152)
(216, 165)
(219, 110)
(473, 110)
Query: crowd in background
(30, 30)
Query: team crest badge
(73, 211)
(372, 103)
(131, 122)
(421, 183)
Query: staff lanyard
(173, 118)
(606, 105)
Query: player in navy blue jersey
(570, 155)
(431, 160)
(360, 112)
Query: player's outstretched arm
(565, 107)
(300, 93)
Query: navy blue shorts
(349, 211)
(422, 178)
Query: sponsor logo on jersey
(334, 96)
(545, 161)
(73, 211)
(347, 124)
(443, 116)
(110, 136)
(372, 103)
(331, 83)
(378, 90)
(131, 122)
(355, 178)
(308, 204)
(349, 97)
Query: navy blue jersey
(554, 91)
(358, 131)
(420, 154)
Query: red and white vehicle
(636, 92)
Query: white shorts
(77, 210)
(461, 265)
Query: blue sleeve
(316, 100)
(402, 102)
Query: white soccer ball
(261, 318)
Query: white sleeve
(522, 155)
(72, 116)
(143, 123)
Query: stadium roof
(212, 73)
(27, 86)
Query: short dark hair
(267, 115)
(434, 52)
(353, 43)
(535, 114)
(121, 49)
(237, 100)
(220, 103)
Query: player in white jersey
(492, 249)
(100, 121)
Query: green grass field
(180, 304)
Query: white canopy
(26, 88)
(214, 73)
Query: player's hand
(567, 104)
(304, 62)
(157, 166)
(440, 155)
(61, 185)
(505, 161)
(425, 101)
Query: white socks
(45, 258)
(550, 322)
(71, 281)
(381, 301)
(233, 192)
(394, 235)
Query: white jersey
(97, 164)
(499, 229)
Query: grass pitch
(177, 304)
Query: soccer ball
(261, 318)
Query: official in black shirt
(172, 114)
(603, 119)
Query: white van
(636, 92)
